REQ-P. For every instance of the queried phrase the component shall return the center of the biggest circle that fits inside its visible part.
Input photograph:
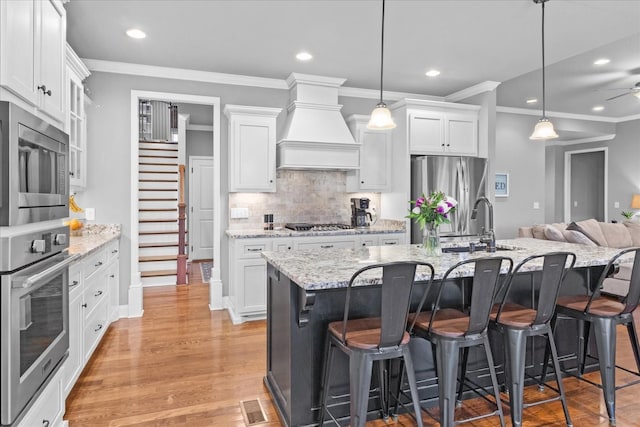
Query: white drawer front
(113, 250)
(252, 249)
(48, 407)
(94, 262)
(94, 328)
(390, 241)
(327, 244)
(95, 292)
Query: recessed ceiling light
(532, 101)
(304, 56)
(135, 33)
(597, 108)
(432, 73)
(601, 61)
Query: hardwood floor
(183, 365)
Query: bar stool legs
(605, 331)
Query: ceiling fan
(634, 90)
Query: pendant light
(544, 128)
(381, 116)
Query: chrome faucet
(488, 237)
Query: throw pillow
(552, 233)
(618, 236)
(634, 231)
(591, 229)
(573, 236)
(538, 231)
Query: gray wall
(199, 143)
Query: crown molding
(528, 112)
(182, 74)
(483, 87)
(75, 63)
(628, 118)
(354, 92)
(607, 137)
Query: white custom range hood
(316, 135)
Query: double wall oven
(34, 260)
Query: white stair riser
(158, 226)
(151, 175)
(158, 215)
(157, 205)
(158, 154)
(169, 250)
(144, 145)
(158, 238)
(163, 160)
(157, 265)
(163, 185)
(158, 194)
(153, 168)
(159, 281)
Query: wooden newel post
(181, 274)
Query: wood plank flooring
(183, 365)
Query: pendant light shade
(381, 116)
(544, 128)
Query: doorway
(135, 287)
(586, 185)
(200, 208)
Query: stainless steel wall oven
(33, 168)
(34, 314)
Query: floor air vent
(252, 412)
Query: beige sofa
(593, 233)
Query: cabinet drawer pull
(71, 174)
(98, 264)
(115, 251)
(99, 327)
(97, 294)
(44, 90)
(45, 423)
(253, 249)
(112, 276)
(326, 246)
(84, 305)
(74, 283)
(390, 243)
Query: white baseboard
(237, 319)
(135, 300)
(216, 300)
(123, 311)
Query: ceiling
(469, 41)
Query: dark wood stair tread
(159, 245)
(157, 200)
(156, 157)
(158, 258)
(157, 189)
(158, 273)
(157, 210)
(173, 172)
(159, 149)
(159, 220)
(157, 180)
(146, 233)
(156, 164)
(156, 141)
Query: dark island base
(297, 326)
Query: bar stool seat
(362, 333)
(514, 315)
(447, 322)
(602, 306)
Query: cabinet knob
(288, 248)
(97, 294)
(448, 145)
(71, 174)
(361, 182)
(98, 328)
(98, 264)
(44, 90)
(443, 144)
(271, 181)
(112, 276)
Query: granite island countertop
(92, 239)
(318, 269)
(381, 227)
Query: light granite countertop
(319, 269)
(93, 238)
(382, 227)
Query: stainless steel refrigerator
(463, 178)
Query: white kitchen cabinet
(374, 173)
(461, 133)
(426, 132)
(252, 148)
(32, 55)
(113, 279)
(75, 360)
(367, 240)
(76, 123)
(324, 242)
(48, 408)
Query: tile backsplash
(302, 196)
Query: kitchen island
(306, 290)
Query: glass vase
(431, 240)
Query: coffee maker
(360, 215)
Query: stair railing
(181, 273)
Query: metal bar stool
(517, 322)
(374, 339)
(605, 312)
(452, 329)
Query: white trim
(559, 115)
(483, 87)
(123, 311)
(135, 292)
(567, 181)
(354, 92)
(217, 301)
(182, 74)
(200, 128)
(607, 137)
(75, 63)
(628, 118)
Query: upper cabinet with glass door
(76, 124)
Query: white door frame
(215, 285)
(191, 195)
(567, 181)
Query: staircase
(158, 196)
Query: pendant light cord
(382, 52)
(544, 115)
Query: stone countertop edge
(87, 244)
(254, 234)
(318, 269)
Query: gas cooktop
(303, 226)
